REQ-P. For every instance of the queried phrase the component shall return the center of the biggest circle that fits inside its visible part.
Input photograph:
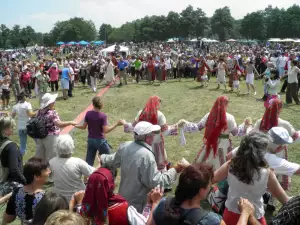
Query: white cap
(280, 136)
(143, 128)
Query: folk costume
(271, 119)
(218, 126)
(151, 114)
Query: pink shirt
(53, 71)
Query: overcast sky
(42, 16)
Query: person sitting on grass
(50, 203)
(24, 200)
(67, 171)
(64, 217)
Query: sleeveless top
(252, 192)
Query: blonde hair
(64, 217)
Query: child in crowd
(5, 87)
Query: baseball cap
(280, 136)
(143, 128)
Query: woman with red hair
(151, 114)
(271, 119)
(218, 126)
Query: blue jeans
(23, 141)
(94, 145)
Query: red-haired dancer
(151, 114)
(218, 126)
(271, 119)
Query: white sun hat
(47, 99)
(144, 128)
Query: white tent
(275, 40)
(209, 40)
(112, 49)
(194, 40)
(297, 41)
(231, 40)
(288, 40)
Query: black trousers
(138, 75)
(292, 93)
(284, 86)
(54, 84)
(175, 72)
(70, 91)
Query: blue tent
(99, 42)
(72, 43)
(83, 43)
(60, 43)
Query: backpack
(36, 128)
(191, 216)
(3, 171)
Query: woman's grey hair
(6, 122)
(255, 140)
(65, 146)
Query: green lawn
(183, 99)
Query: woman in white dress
(151, 114)
(109, 75)
(221, 73)
(218, 126)
(271, 119)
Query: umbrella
(99, 42)
(60, 43)
(72, 43)
(83, 43)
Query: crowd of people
(246, 178)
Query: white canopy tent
(288, 40)
(112, 49)
(231, 40)
(275, 40)
(297, 41)
(209, 40)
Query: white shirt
(21, 109)
(279, 165)
(282, 61)
(72, 73)
(67, 175)
(293, 75)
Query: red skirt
(117, 214)
(231, 218)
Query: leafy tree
(4, 36)
(222, 23)
(27, 35)
(253, 26)
(104, 31)
(15, 36)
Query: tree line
(261, 25)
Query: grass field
(183, 99)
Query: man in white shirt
(281, 64)
(279, 137)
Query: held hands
(246, 207)
(155, 195)
(181, 123)
(121, 122)
(73, 123)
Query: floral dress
(23, 204)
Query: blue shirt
(65, 73)
(122, 65)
